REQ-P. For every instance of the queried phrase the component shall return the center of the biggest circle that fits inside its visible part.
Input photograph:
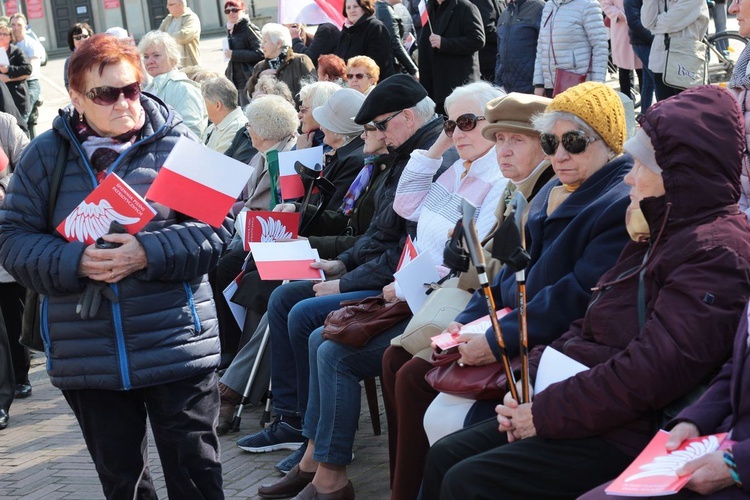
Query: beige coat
(187, 35)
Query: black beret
(393, 94)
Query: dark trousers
(12, 297)
(663, 90)
(183, 417)
(7, 380)
(478, 462)
(406, 396)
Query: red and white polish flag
(199, 182)
(289, 179)
(286, 260)
(423, 12)
(311, 12)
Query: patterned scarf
(104, 151)
(359, 184)
(740, 78)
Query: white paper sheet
(412, 277)
(555, 367)
(237, 310)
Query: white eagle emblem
(666, 465)
(272, 230)
(89, 221)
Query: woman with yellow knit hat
(659, 322)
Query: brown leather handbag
(471, 382)
(358, 321)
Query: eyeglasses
(4, 34)
(573, 141)
(466, 123)
(80, 37)
(231, 10)
(383, 124)
(369, 128)
(304, 109)
(104, 96)
(358, 76)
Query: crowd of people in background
(637, 239)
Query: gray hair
(277, 33)
(155, 38)
(424, 110)
(269, 84)
(317, 93)
(272, 117)
(220, 89)
(545, 122)
(479, 92)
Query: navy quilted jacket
(164, 326)
(517, 33)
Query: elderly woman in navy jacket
(152, 348)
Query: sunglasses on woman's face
(78, 38)
(105, 96)
(466, 123)
(231, 10)
(358, 76)
(573, 141)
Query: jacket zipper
(44, 330)
(193, 310)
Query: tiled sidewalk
(42, 454)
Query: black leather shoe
(4, 418)
(291, 484)
(23, 390)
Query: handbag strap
(552, 47)
(56, 181)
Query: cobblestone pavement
(43, 456)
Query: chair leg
(371, 390)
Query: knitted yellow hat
(599, 106)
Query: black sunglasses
(104, 96)
(80, 37)
(231, 10)
(465, 122)
(383, 124)
(358, 76)
(573, 141)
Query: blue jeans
(647, 84)
(293, 313)
(34, 91)
(334, 401)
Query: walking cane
(477, 258)
(509, 248)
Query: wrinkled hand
(389, 292)
(305, 141)
(515, 419)
(4, 78)
(475, 351)
(679, 433)
(453, 328)
(440, 146)
(4, 69)
(326, 288)
(285, 207)
(112, 265)
(333, 269)
(710, 473)
(435, 41)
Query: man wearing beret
(404, 116)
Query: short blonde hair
(373, 70)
